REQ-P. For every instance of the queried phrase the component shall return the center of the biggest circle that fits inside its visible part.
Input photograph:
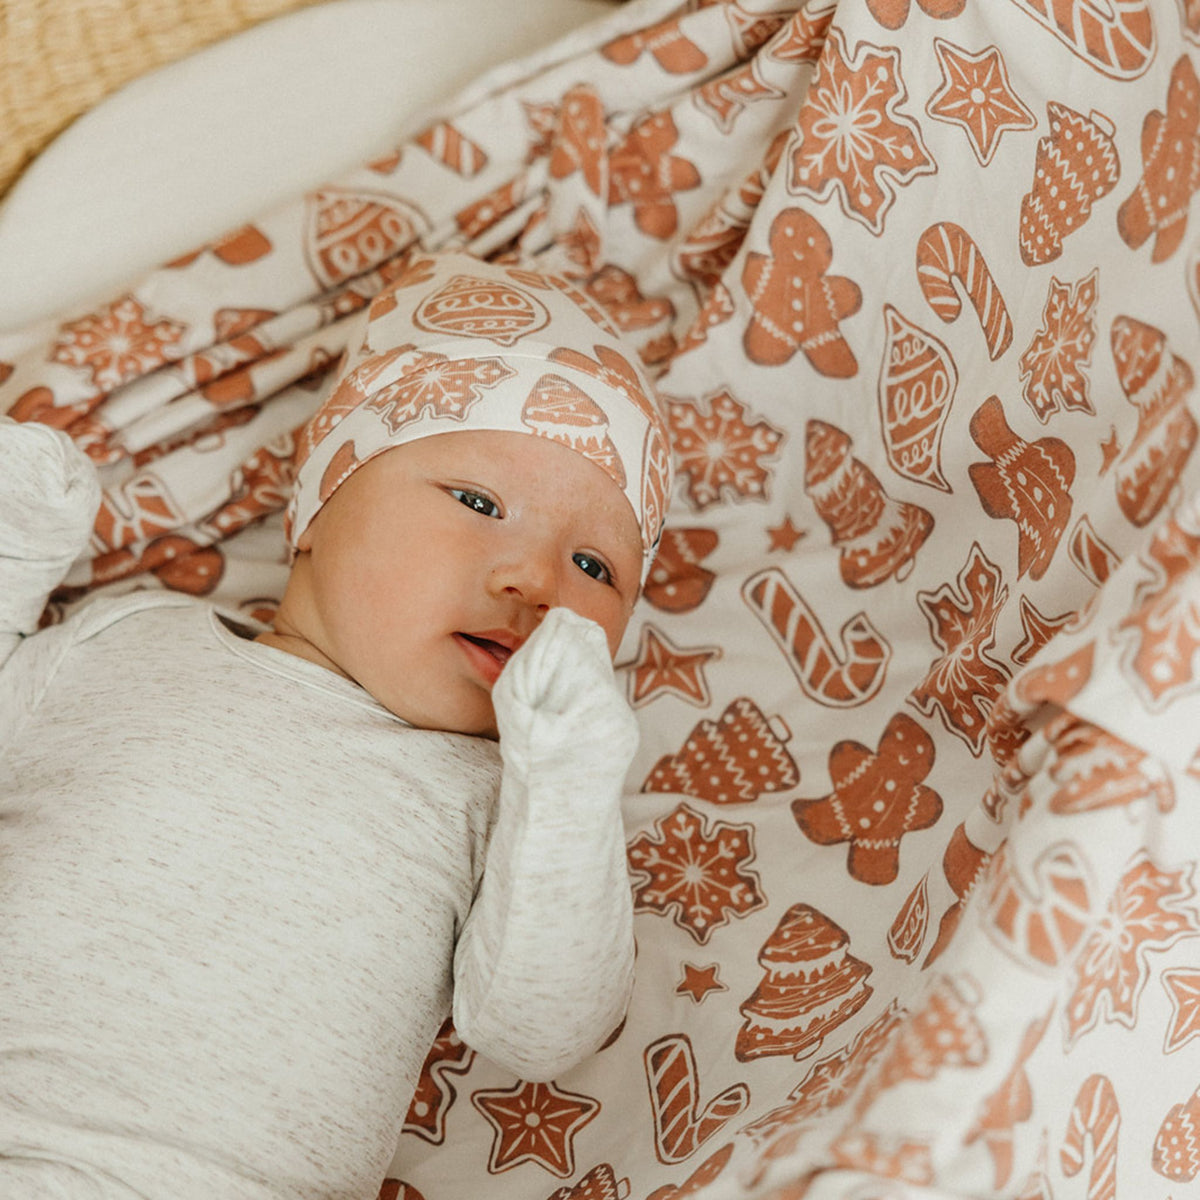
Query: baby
(245, 876)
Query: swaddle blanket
(912, 829)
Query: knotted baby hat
(457, 343)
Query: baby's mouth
(488, 652)
(500, 653)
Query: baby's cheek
(614, 625)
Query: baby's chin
(473, 721)
(486, 730)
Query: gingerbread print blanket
(912, 832)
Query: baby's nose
(530, 577)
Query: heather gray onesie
(238, 897)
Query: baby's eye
(590, 565)
(476, 502)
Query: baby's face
(435, 560)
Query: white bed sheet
(253, 120)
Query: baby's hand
(559, 690)
(543, 970)
(49, 494)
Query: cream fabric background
(183, 152)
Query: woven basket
(60, 57)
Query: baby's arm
(544, 965)
(49, 494)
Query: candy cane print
(680, 1126)
(1116, 37)
(1097, 1115)
(946, 252)
(445, 144)
(1040, 921)
(837, 680)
